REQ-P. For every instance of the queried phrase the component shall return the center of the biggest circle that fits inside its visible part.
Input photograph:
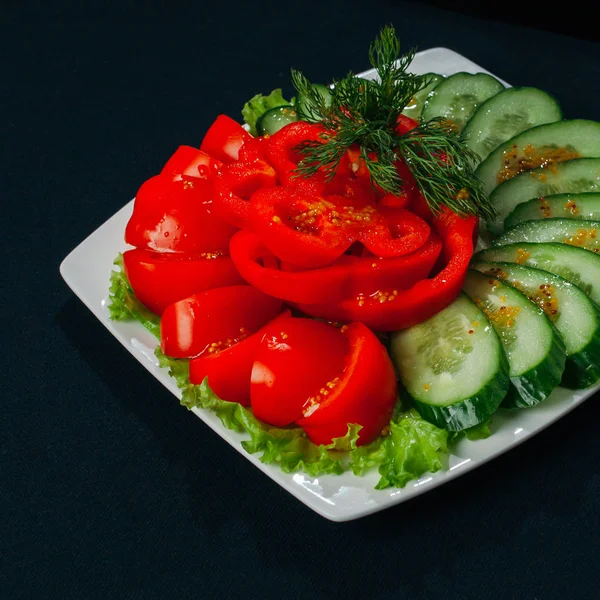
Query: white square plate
(336, 497)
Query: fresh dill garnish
(365, 113)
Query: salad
(312, 277)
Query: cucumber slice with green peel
(535, 351)
(453, 366)
(305, 106)
(584, 234)
(507, 114)
(584, 207)
(415, 107)
(535, 147)
(274, 119)
(578, 266)
(574, 176)
(457, 97)
(574, 315)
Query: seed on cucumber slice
(538, 146)
(583, 207)
(458, 97)
(274, 119)
(453, 366)
(573, 176)
(574, 315)
(507, 114)
(533, 346)
(584, 234)
(578, 266)
(415, 107)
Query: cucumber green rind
(457, 97)
(477, 401)
(573, 176)
(271, 121)
(583, 234)
(581, 207)
(536, 362)
(415, 108)
(578, 319)
(580, 135)
(507, 114)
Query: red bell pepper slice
(392, 309)
(348, 276)
(365, 394)
(234, 186)
(188, 162)
(159, 279)
(214, 320)
(230, 370)
(224, 139)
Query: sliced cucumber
(533, 346)
(553, 142)
(584, 207)
(576, 265)
(507, 114)
(573, 176)
(274, 119)
(415, 108)
(453, 366)
(574, 315)
(584, 234)
(458, 97)
(306, 106)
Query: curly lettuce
(259, 104)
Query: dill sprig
(364, 113)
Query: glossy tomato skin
(159, 279)
(365, 394)
(176, 216)
(295, 359)
(228, 372)
(213, 320)
(190, 163)
(224, 139)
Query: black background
(109, 489)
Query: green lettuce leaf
(478, 432)
(124, 306)
(412, 448)
(258, 105)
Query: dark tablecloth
(109, 489)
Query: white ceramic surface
(338, 498)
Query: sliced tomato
(159, 279)
(229, 371)
(296, 359)
(177, 216)
(188, 162)
(365, 392)
(213, 320)
(224, 139)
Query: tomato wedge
(188, 162)
(224, 139)
(229, 371)
(159, 279)
(214, 320)
(295, 359)
(177, 216)
(365, 392)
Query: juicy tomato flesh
(214, 320)
(191, 163)
(159, 279)
(296, 359)
(224, 139)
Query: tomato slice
(295, 359)
(159, 279)
(176, 216)
(365, 392)
(229, 371)
(188, 162)
(213, 320)
(224, 139)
